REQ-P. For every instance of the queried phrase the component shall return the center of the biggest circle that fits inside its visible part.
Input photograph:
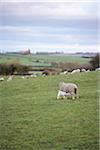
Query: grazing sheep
(88, 70)
(49, 72)
(65, 72)
(33, 75)
(69, 88)
(83, 70)
(97, 69)
(9, 78)
(75, 71)
(1, 79)
(45, 73)
(62, 94)
(23, 77)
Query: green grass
(44, 60)
(32, 118)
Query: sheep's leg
(63, 97)
(76, 93)
(57, 97)
(76, 96)
(73, 95)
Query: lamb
(70, 88)
(62, 94)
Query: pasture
(33, 119)
(41, 60)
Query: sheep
(9, 78)
(65, 72)
(49, 72)
(88, 70)
(75, 71)
(62, 94)
(33, 75)
(83, 70)
(1, 79)
(69, 88)
(23, 77)
(45, 73)
(97, 69)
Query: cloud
(49, 25)
(49, 14)
(50, 10)
(48, 0)
(47, 35)
(62, 14)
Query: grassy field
(32, 118)
(43, 60)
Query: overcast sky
(67, 25)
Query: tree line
(10, 69)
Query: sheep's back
(67, 87)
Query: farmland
(32, 118)
(41, 60)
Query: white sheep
(65, 72)
(83, 70)
(1, 79)
(9, 78)
(22, 77)
(97, 69)
(33, 75)
(75, 71)
(62, 94)
(69, 88)
(88, 70)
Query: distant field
(42, 60)
(32, 119)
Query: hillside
(42, 60)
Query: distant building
(26, 52)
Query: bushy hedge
(70, 66)
(95, 62)
(15, 68)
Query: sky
(67, 26)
